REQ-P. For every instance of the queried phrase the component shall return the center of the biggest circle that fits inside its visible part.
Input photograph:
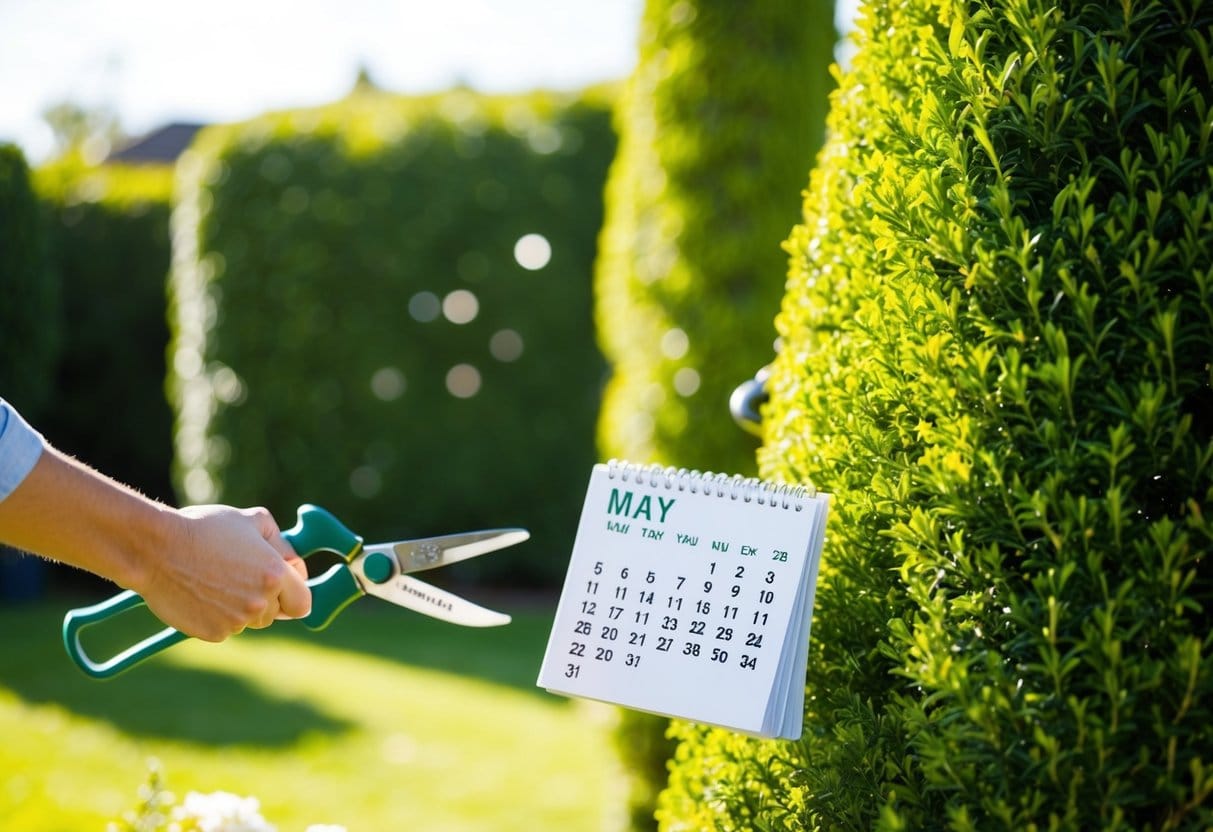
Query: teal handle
(315, 530)
(80, 619)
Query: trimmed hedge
(30, 325)
(998, 347)
(108, 229)
(718, 127)
(352, 326)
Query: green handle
(77, 620)
(315, 531)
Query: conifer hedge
(718, 124)
(30, 325)
(108, 235)
(998, 355)
(383, 306)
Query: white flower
(221, 812)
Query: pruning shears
(381, 569)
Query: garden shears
(381, 569)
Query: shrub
(718, 127)
(367, 315)
(29, 314)
(109, 244)
(998, 345)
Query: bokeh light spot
(460, 306)
(388, 383)
(686, 381)
(463, 381)
(425, 307)
(506, 345)
(533, 251)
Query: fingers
(294, 598)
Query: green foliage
(339, 272)
(108, 229)
(29, 320)
(998, 346)
(718, 127)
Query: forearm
(71, 513)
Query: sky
(152, 62)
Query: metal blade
(437, 603)
(431, 552)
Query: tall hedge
(719, 124)
(998, 346)
(29, 294)
(383, 306)
(108, 233)
(718, 127)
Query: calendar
(690, 594)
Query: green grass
(387, 720)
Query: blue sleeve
(20, 447)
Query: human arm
(208, 571)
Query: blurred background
(422, 264)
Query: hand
(225, 569)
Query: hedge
(109, 244)
(30, 324)
(718, 124)
(998, 345)
(383, 307)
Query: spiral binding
(735, 487)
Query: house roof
(160, 146)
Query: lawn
(387, 720)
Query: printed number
(765, 596)
(623, 573)
(760, 618)
(730, 612)
(649, 578)
(703, 607)
(780, 556)
(740, 573)
(632, 660)
(588, 607)
(712, 568)
(664, 644)
(724, 633)
(681, 581)
(770, 577)
(591, 587)
(614, 613)
(603, 654)
(621, 592)
(673, 603)
(691, 649)
(582, 628)
(642, 618)
(736, 590)
(707, 586)
(749, 662)
(719, 655)
(646, 597)
(610, 633)
(668, 622)
(572, 671)
(636, 638)
(697, 627)
(578, 649)
(753, 640)
(598, 568)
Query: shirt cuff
(20, 448)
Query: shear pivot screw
(378, 567)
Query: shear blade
(419, 596)
(432, 552)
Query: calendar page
(690, 595)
